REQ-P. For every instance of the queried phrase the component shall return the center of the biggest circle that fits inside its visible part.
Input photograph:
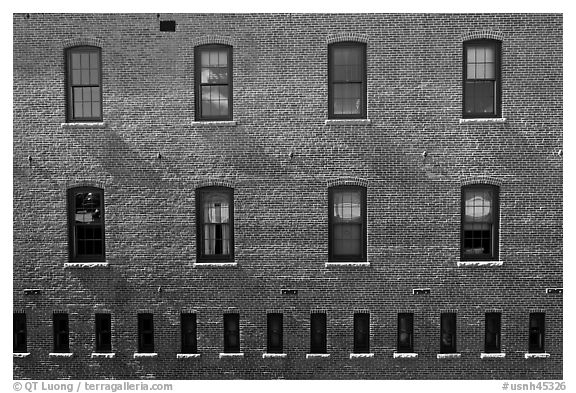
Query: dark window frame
(364, 77)
(72, 226)
(401, 347)
(231, 320)
(70, 117)
(19, 333)
(537, 334)
(362, 257)
(61, 328)
(361, 332)
(496, 347)
(275, 333)
(494, 255)
(145, 334)
(497, 46)
(449, 319)
(198, 83)
(103, 333)
(201, 194)
(318, 333)
(189, 339)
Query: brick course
(280, 158)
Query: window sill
(404, 355)
(149, 355)
(448, 356)
(346, 122)
(224, 355)
(21, 354)
(61, 354)
(361, 355)
(484, 120)
(347, 264)
(187, 355)
(317, 355)
(499, 355)
(274, 355)
(223, 123)
(542, 355)
(214, 264)
(105, 355)
(480, 263)
(85, 265)
(88, 124)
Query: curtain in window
(216, 225)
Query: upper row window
(347, 85)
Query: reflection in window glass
(213, 84)
(479, 222)
(347, 223)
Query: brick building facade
(288, 196)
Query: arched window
(215, 224)
(86, 224)
(480, 217)
(84, 84)
(481, 79)
(213, 82)
(347, 80)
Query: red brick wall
(414, 77)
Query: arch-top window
(213, 81)
(347, 224)
(480, 213)
(84, 84)
(347, 80)
(86, 224)
(481, 87)
(215, 224)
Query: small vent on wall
(167, 25)
(554, 290)
(421, 291)
(289, 291)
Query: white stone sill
(85, 265)
(61, 354)
(187, 355)
(224, 355)
(21, 354)
(448, 355)
(479, 263)
(274, 355)
(215, 264)
(536, 355)
(87, 124)
(484, 120)
(361, 355)
(492, 355)
(347, 264)
(147, 355)
(317, 355)
(223, 123)
(346, 122)
(104, 355)
(404, 355)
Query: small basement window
(167, 25)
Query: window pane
(275, 322)
(361, 333)
(318, 333)
(231, 333)
(87, 207)
(448, 333)
(405, 332)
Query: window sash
(188, 333)
(405, 342)
(347, 80)
(480, 210)
(275, 333)
(19, 333)
(347, 224)
(215, 224)
(86, 224)
(231, 333)
(492, 333)
(213, 79)
(84, 80)
(536, 330)
(61, 333)
(481, 74)
(145, 333)
(103, 332)
(318, 333)
(448, 333)
(361, 333)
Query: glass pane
(222, 58)
(87, 108)
(84, 60)
(489, 53)
(213, 61)
(75, 61)
(87, 207)
(471, 55)
(85, 77)
(94, 77)
(94, 62)
(480, 74)
(489, 71)
(204, 58)
(347, 206)
(75, 77)
(96, 109)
